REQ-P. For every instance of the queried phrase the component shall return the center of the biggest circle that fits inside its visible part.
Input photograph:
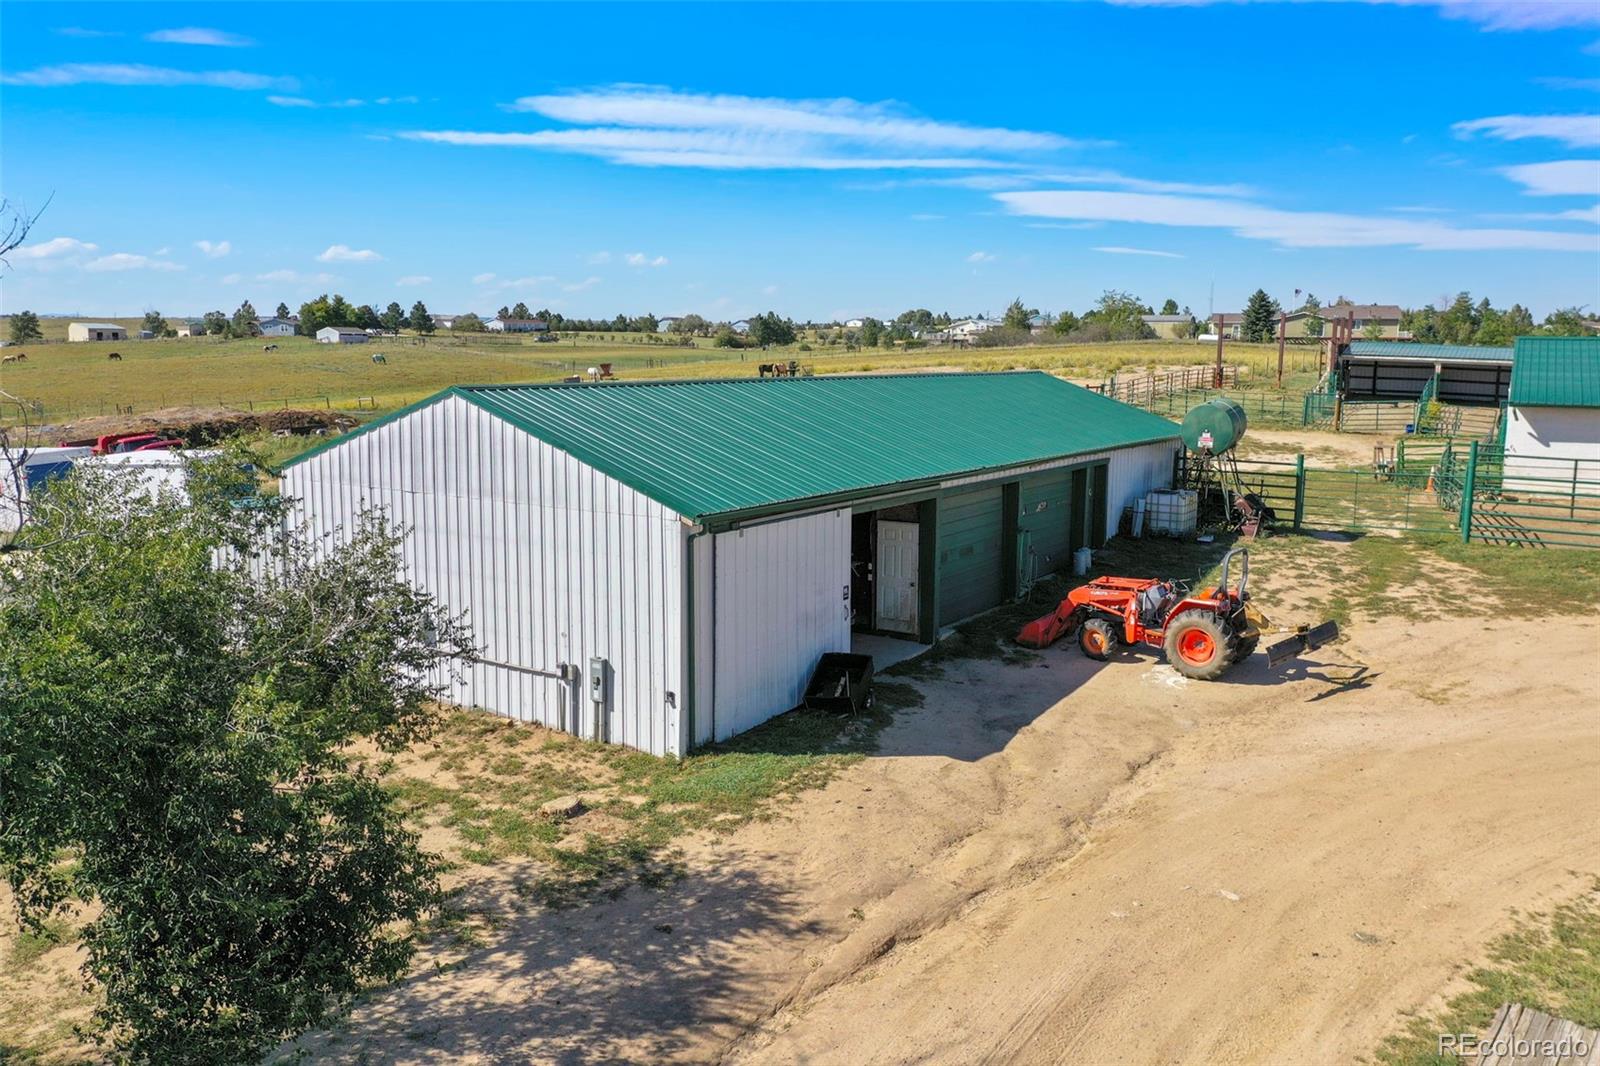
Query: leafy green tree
(315, 314)
(394, 317)
(282, 311)
(691, 324)
(154, 323)
(469, 323)
(25, 327)
(771, 328)
(1066, 323)
(726, 338)
(179, 721)
(1373, 330)
(1565, 322)
(521, 311)
(1260, 317)
(1494, 328)
(1018, 314)
(215, 322)
(1519, 321)
(341, 312)
(1170, 307)
(645, 323)
(1121, 316)
(870, 333)
(1458, 324)
(367, 317)
(244, 322)
(503, 314)
(420, 320)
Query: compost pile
(198, 426)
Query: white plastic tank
(1172, 513)
(1080, 561)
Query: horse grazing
(377, 357)
(20, 357)
(269, 347)
(114, 355)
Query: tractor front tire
(1201, 645)
(1097, 638)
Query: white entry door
(897, 577)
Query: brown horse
(114, 355)
(20, 357)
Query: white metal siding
(1552, 443)
(778, 603)
(554, 562)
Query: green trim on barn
(1556, 372)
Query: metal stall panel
(781, 599)
(553, 562)
(1045, 524)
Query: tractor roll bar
(1244, 570)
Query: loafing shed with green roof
(1553, 415)
(696, 546)
(1399, 370)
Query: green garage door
(1045, 521)
(970, 558)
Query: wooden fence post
(1299, 490)
(1468, 486)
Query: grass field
(60, 382)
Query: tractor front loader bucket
(1305, 638)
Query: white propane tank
(1138, 518)
(1080, 561)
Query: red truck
(115, 443)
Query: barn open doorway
(886, 571)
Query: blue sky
(823, 161)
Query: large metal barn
(661, 565)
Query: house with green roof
(662, 564)
(1552, 429)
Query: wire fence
(1436, 486)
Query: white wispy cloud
(1577, 214)
(579, 286)
(343, 253)
(639, 259)
(1290, 229)
(353, 101)
(1589, 85)
(1575, 131)
(214, 249)
(294, 277)
(1490, 14)
(85, 32)
(1064, 225)
(1562, 177)
(120, 261)
(232, 279)
(414, 279)
(1118, 250)
(482, 279)
(54, 248)
(981, 257)
(599, 258)
(654, 127)
(63, 74)
(201, 36)
(1124, 181)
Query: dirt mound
(204, 425)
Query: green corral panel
(1046, 522)
(971, 578)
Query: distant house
(971, 327)
(189, 329)
(96, 331)
(341, 335)
(1387, 316)
(449, 321)
(516, 325)
(664, 325)
(741, 326)
(278, 327)
(1229, 325)
(1170, 327)
(855, 323)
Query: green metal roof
(1556, 372)
(1448, 353)
(720, 447)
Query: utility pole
(1216, 377)
(1282, 327)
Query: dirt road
(1072, 862)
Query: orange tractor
(1203, 634)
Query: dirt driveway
(1063, 861)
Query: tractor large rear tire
(1201, 645)
(1097, 638)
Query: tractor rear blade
(1305, 638)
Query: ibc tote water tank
(1214, 426)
